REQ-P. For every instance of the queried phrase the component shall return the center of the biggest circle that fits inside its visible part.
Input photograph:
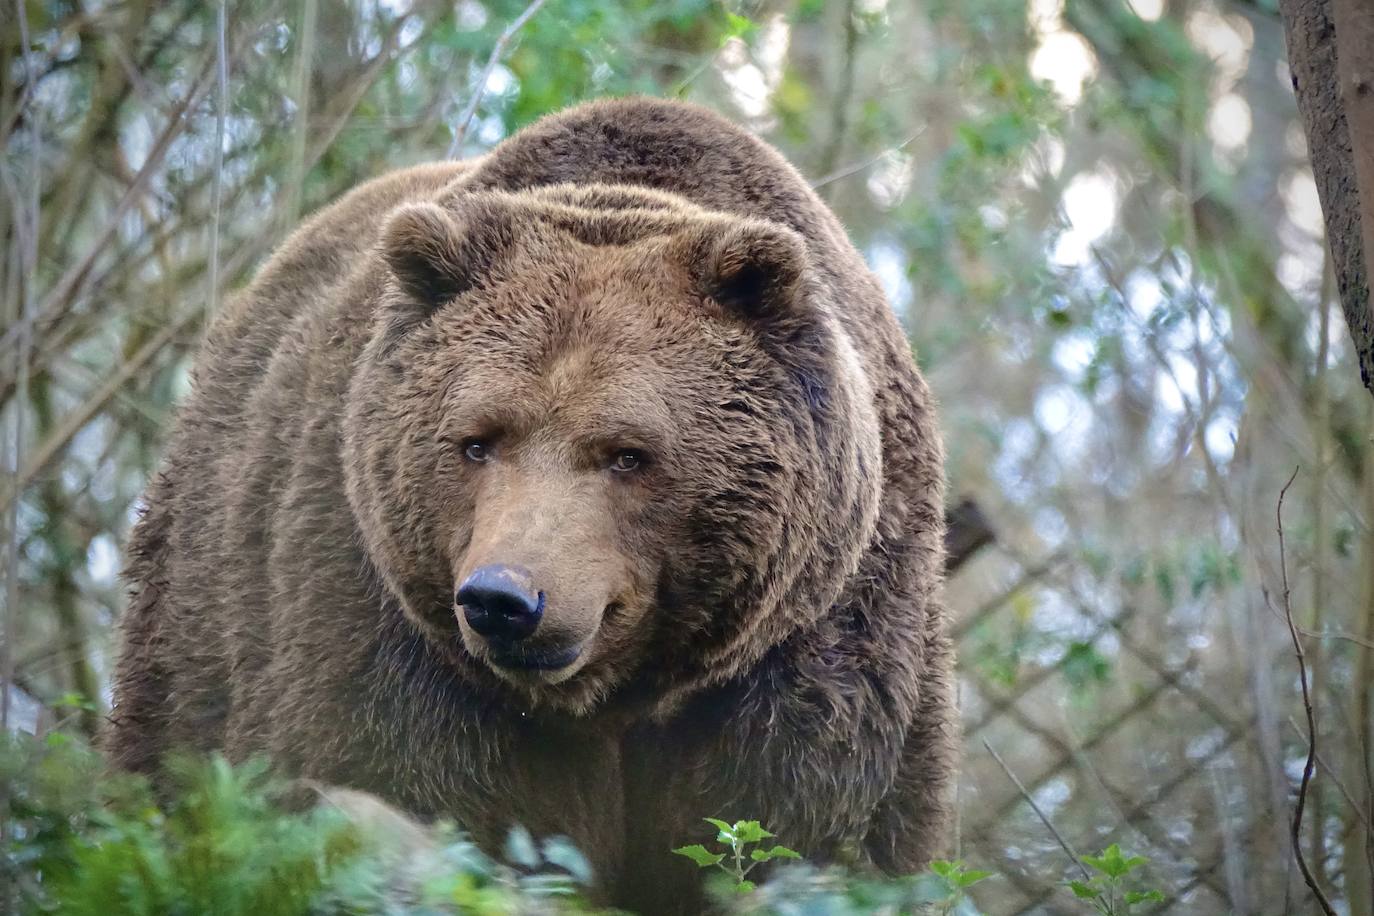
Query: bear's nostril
(499, 603)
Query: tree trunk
(1331, 55)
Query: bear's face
(580, 445)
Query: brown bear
(589, 485)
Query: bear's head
(605, 444)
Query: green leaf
(1134, 897)
(777, 852)
(520, 849)
(970, 878)
(727, 831)
(700, 855)
(1084, 665)
(74, 700)
(745, 887)
(737, 26)
(750, 832)
(560, 851)
(1082, 891)
(1113, 864)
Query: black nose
(499, 602)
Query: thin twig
(1360, 814)
(69, 285)
(217, 180)
(844, 92)
(26, 259)
(75, 421)
(305, 57)
(1044, 819)
(1029, 577)
(1296, 830)
(48, 450)
(1321, 537)
(857, 167)
(349, 98)
(26, 233)
(1340, 635)
(480, 87)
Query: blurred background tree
(1096, 219)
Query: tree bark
(1331, 56)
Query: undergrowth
(235, 840)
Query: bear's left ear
(752, 269)
(436, 254)
(757, 272)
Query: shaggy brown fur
(756, 602)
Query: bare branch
(305, 57)
(25, 259)
(1296, 831)
(73, 423)
(844, 93)
(480, 87)
(846, 171)
(70, 283)
(1360, 814)
(221, 115)
(1044, 819)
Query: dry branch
(1296, 827)
(1361, 816)
(69, 286)
(480, 87)
(1044, 819)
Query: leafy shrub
(737, 838)
(230, 840)
(79, 840)
(1107, 890)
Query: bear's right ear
(436, 255)
(752, 269)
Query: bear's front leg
(810, 751)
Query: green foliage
(233, 840)
(227, 841)
(944, 887)
(1084, 666)
(834, 892)
(1108, 891)
(222, 845)
(83, 841)
(738, 859)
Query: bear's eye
(476, 451)
(626, 460)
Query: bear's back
(694, 153)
